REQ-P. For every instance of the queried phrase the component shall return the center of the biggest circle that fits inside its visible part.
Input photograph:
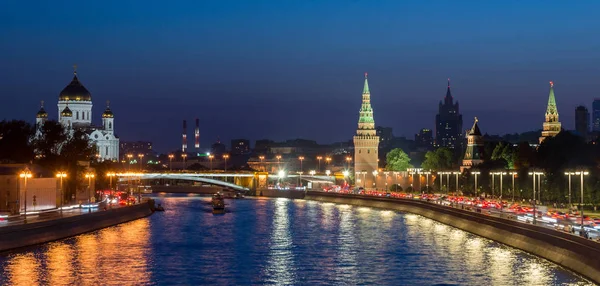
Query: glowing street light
(475, 173)
(301, 158)
(225, 157)
(278, 157)
(129, 157)
(328, 160)
(261, 157)
(312, 172)
(346, 173)
(348, 159)
(534, 202)
(89, 176)
(569, 174)
(141, 156)
(375, 178)
(61, 175)
(184, 156)
(210, 158)
(581, 173)
(281, 174)
(513, 175)
(327, 172)
(26, 174)
(171, 156)
(319, 158)
(456, 173)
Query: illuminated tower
(475, 148)
(551, 126)
(197, 136)
(41, 116)
(366, 143)
(184, 137)
(79, 100)
(448, 123)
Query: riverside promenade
(50, 226)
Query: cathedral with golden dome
(75, 113)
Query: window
(106, 153)
(109, 125)
(368, 151)
(359, 151)
(77, 115)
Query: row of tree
(565, 152)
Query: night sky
(294, 69)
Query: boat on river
(218, 203)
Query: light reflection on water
(278, 242)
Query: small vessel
(159, 208)
(218, 203)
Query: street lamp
(261, 158)
(328, 160)
(301, 158)
(513, 175)
(581, 173)
(348, 159)
(533, 174)
(129, 156)
(427, 173)
(456, 173)
(492, 173)
(501, 174)
(319, 158)
(184, 156)
(171, 156)
(210, 158)
(278, 159)
(375, 179)
(89, 176)
(476, 173)
(386, 177)
(569, 174)
(141, 156)
(312, 172)
(327, 172)
(26, 174)
(225, 157)
(61, 175)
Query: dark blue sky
(288, 69)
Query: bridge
(239, 181)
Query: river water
(278, 241)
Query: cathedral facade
(75, 113)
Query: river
(277, 242)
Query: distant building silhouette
(448, 123)
(218, 148)
(596, 115)
(240, 146)
(551, 125)
(582, 121)
(424, 139)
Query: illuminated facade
(366, 143)
(475, 148)
(551, 126)
(448, 124)
(75, 113)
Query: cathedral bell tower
(366, 144)
(108, 119)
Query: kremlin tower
(366, 143)
(551, 126)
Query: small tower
(551, 125)
(366, 143)
(65, 118)
(41, 116)
(475, 148)
(108, 119)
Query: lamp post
(513, 175)
(475, 173)
(441, 181)
(171, 156)
(348, 159)
(386, 173)
(569, 174)
(262, 158)
(319, 158)
(301, 158)
(375, 179)
(581, 173)
(141, 156)
(501, 174)
(427, 173)
(278, 159)
(493, 187)
(210, 158)
(184, 156)
(456, 173)
(534, 174)
(89, 176)
(26, 174)
(225, 157)
(328, 160)
(129, 157)
(61, 175)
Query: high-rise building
(551, 125)
(582, 121)
(136, 147)
(240, 146)
(596, 115)
(424, 139)
(475, 148)
(448, 124)
(366, 143)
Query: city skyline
(251, 71)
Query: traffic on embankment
(28, 234)
(573, 252)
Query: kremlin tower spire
(366, 143)
(551, 125)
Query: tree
(397, 160)
(15, 139)
(440, 159)
(49, 141)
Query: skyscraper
(448, 123)
(582, 121)
(596, 115)
(551, 125)
(366, 143)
